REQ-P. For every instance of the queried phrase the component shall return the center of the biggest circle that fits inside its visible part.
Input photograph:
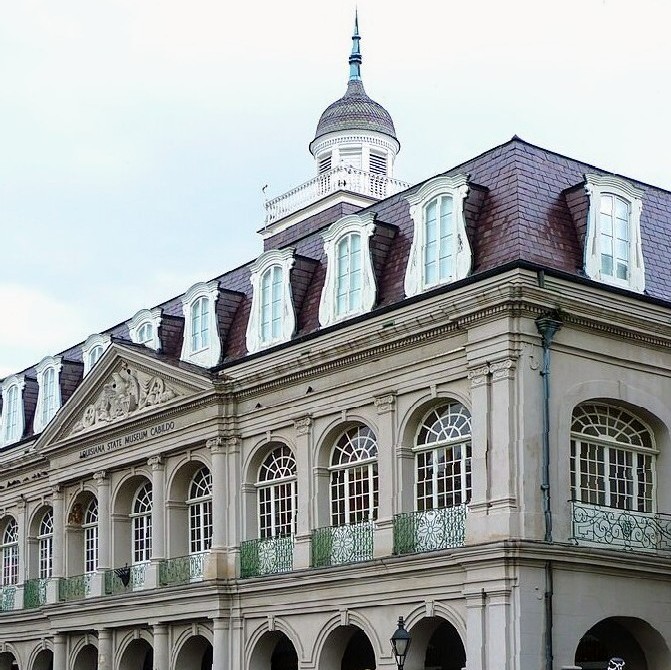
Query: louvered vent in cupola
(378, 163)
(351, 157)
(324, 163)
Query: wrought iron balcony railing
(620, 528)
(128, 578)
(74, 588)
(335, 545)
(7, 594)
(340, 178)
(181, 570)
(429, 530)
(266, 556)
(34, 593)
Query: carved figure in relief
(76, 517)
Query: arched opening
(195, 654)
(347, 648)
(44, 660)
(274, 651)
(87, 658)
(436, 645)
(138, 655)
(8, 661)
(81, 537)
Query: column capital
(478, 376)
(303, 424)
(385, 403)
(155, 462)
(216, 444)
(101, 477)
(57, 492)
(504, 369)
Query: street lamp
(400, 643)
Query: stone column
(232, 498)
(104, 532)
(105, 649)
(161, 647)
(58, 544)
(220, 644)
(386, 467)
(216, 559)
(305, 488)
(22, 523)
(498, 643)
(476, 640)
(157, 519)
(60, 652)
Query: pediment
(126, 384)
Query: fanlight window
(10, 554)
(90, 527)
(348, 274)
(200, 511)
(200, 324)
(46, 547)
(443, 459)
(141, 519)
(439, 241)
(612, 459)
(354, 481)
(277, 494)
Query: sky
(135, 137)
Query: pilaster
(105, 660)
(161, 647)
(385, 405)
(157, 519)
(60, 652)
(305, 488)
(58, 544)
(104, 533)
(220, 630)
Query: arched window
(200, 324)
(277, 494)
(94, 355)
(612, 459)
(49, 403)
(272, 292)
(145, 333)
(90, 527)
(11, 423)
(45, 539)
(10, 554)
(141, 519)
(443, 458)
(354, 484)
(200, 511)
(439, 241)
(348, 274)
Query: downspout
(547, 326)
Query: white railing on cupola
(340, 178)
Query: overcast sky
(135, 137)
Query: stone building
(444, 401)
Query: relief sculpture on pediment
(128, 391)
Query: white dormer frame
(48, 402)
(141, 321)
(354, 224)
(13, 419)
(93, 349)
(598, 186)
(435, 190)
(206, 355)
(284, 260)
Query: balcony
(128, 578)
(74, 588)
(7, 594)
(337, 545)
(340, 178)
(266, 556)
(621, 529)
(181, 570)
(429, 530)
(34, 593)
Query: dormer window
(613, 252)
(201, 343)
(93, 349)
(272, 319)
(143, 328)
(440, 251)
(349, 287)
(49, 395)
(12, 409)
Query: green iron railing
(34, 593)
(75, 587)
(181, 570)
(621, 528)
(128, 578)
(7, 594)
(335, 545)
(429, 530)
(266, 556)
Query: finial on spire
(355, 56)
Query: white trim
(151, 317)
(364, 226)
(43, 367)
(596, 187)
(93, 341)
(209, 355)
(455, 187)
(284, 259)
(17, 382)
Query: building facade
(444, 401)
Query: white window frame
(598, 186)
(45, 541)
(93, 342)
(277, 491)
(361, 224)
(9, 576)
(141, 525)
(206, 356)
(90, 527)
(284, 260)
(47, 404)
(12, 407)
(142, 319)
(200, 514)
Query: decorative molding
(385, 403)
(43, 413)
(302, 425)
(216, 445)
(503, 369)
(138, 323)
(101, 477)
(208, 355)
(233, 443)
(155, 463)
(93, 349)
(478, 376)
(12, 385)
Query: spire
(355, 56)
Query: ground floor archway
(138, 655)
(44, 660)
(436, 645)
(347, 648)
(274, 651)
(87, 658)
(195, 654)
(8, 661)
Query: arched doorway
(195, 654)
(8, 661)
(44, 660)
(138, 655)
(347, 648)
(87, 658)
(274, 651)
(436, 645)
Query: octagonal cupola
(355, 132)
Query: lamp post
(400, 643)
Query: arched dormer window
(143, 328)
(440, 251)
(10, 554)
(349, 287)
(93, 349)
(613, 250)
(13, 422)
(45, 540)
(277, 494)
(200, 511)
(201, 343)
(49, 395)
(272, 319)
